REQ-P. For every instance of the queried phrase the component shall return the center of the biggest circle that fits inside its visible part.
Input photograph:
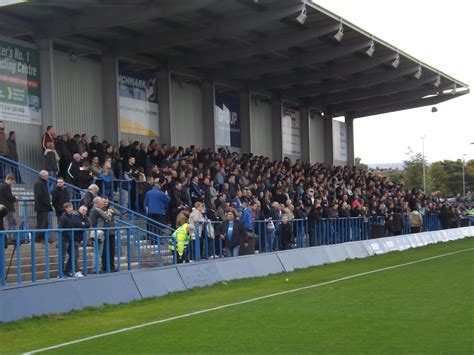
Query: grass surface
(420, 308)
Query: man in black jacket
(60, 196)
(66, 222)
(233, 234)
(42, 204)
(89, 196)
(8, 200)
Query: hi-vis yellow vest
(181, 237)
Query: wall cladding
(78, 95)
(186, 115)
(28, 142)
(261, 123)
(316, 139)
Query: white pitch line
(240, 303)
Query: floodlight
(301, 18)
(340, 33)
(371, 50)
(419, 72)
(437, 83)
(396, 61)
(453, 91)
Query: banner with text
(138, 102)
(227, 121)
(291, 131)
(20, 93)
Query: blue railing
(30, 176)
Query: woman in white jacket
(199, 220)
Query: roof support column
(46, 59)
(277, 132)
(328, 139)
(208, 104)
(163, 78)
(350, 140)
(245, 122)
(110, 109)
(305, 133)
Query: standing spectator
(42, 204)
(111, 212)
(96, 148)
(156, 203)
(106, 181)
(84, 177)
(3, 213)
(74, 168)
(286, 233)
(64, 152)
(59, 196)
(99, 219)
(3, 147)
(80, 221)
(89, 196)
(195, 191)
(416, 220)
(66, 223)
(49, 136)
(13, 155)
(8, 200)
(51, 163)
(233, 234)
(397, 222)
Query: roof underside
(242, 44)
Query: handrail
(122, 209)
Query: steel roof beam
(407, 105)
(99, 20)
(366, 80)
(386, 89)
(324, 54)
(228, 26)
(385, 100)
(283, 42)
(332, 70)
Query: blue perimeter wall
(59, 296)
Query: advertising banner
(291, 131)
(20, 93)
(227, 121)
(138, 102)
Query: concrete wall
(261, 123)
(70, 294)
(316, 139)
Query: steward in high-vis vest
(180, 238)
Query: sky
(440, 34)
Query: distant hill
(386, 166)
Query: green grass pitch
(425, 307)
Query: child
(286, 233)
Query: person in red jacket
(49, 136)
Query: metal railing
(30, 176)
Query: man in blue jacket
(156, 204)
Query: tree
(397, 176)
(359, 165)
(413, 167)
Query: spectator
(106, 181)
(183, 216)
(59, 196)
(96, 148)
(42, 204)
(13, 155)
(64, 152)
(3, 213)
(66, 222)
(110, 236)
(233, 235)
(80, 221)
(49, 136)
(8, 200)
(51, 163)
(89, 196)
(74, 168)
(99, 219)
(416, 220)
(84, 177)
(285, 234)
(3, 147)
(156, 203)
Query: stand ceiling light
(419, 72)
(340, 33)
(396, 61)
(371, 50)
(301, 18)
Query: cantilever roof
(243, 44)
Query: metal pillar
(46, 55)
(277, 132)
(245, 123)
(350, 141)
(328, 140)
(110, 105)
(208, 104)
(305, 133)
(163, 78)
